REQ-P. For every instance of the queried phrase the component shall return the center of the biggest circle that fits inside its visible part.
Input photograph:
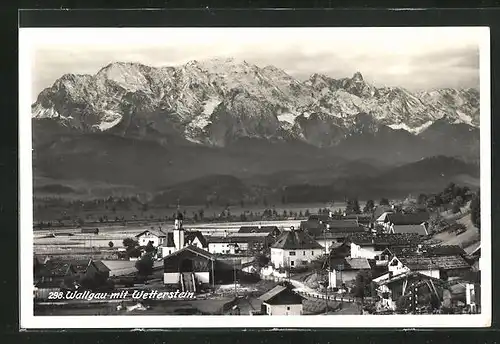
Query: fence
(333, 297)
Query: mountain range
(149, 126)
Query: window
(312, 253)
(304, 253)
(292, 263)
(292, 253)
(288, 308)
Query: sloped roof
(257, 229)
(335, 224)
(290, 240)
(358, 263)
(381, 209)
(170, 240)
(189, 236)
(418, 263)
(57, 268)
(234, 238)
(404, 275)
(407, 229)
(434, 262)
(397, 239)
(444, 250)
(349, 264)
(156, 232)
(319, 217)
(81, 265)
(100, 266)
(272, 293)
(193, 249)
(407, 219)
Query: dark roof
(444, 250)
(100, 266)
(58, 268)
(319, 217)
(158, 233)
(407, 219)
(398, 239)
(335, 224)
(195, 250)
(380, 209)
(290, 240)
(189, 236)
(311, 225)
(234, 238)
(435, 262)
(409, 274)
(407, 229)
(81, 265)
(281, 294)
(257, 229)
(349, 264)
(170, 240)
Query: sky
(414, 58)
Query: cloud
(414, 58)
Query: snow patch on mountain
(413, 130)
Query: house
(444, 267)
(391, 289)
(381, 210)
(295, 248)
(272, 231)
(89, 268)
(195, 238)
(344, 270)
(319, 217)
(223, 245)
(399, 222)
(153, 236)
(369, 246)
(189, 269)
(281, 300)
(53, 276)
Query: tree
(130, 243)
(300, 214)
(144, 265)
(455, 208)
(307, 213)
(383, 201)
(369, 206)
(261, 259)
(110, 244)
(352, 206)
(475, 210)
(149, 247)
(421, 199)
(363, 284)
(201, 213)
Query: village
(384, 259)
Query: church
(188, 265)
(179, 238)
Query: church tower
(178, 230)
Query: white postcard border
(29, 321)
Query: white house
(424, 265)
(295, 248)
(404, 223)
(281, 300)
(345, 270)
(156, 237)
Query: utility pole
(327, 270)
(234, 269)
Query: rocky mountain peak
(357, 77)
